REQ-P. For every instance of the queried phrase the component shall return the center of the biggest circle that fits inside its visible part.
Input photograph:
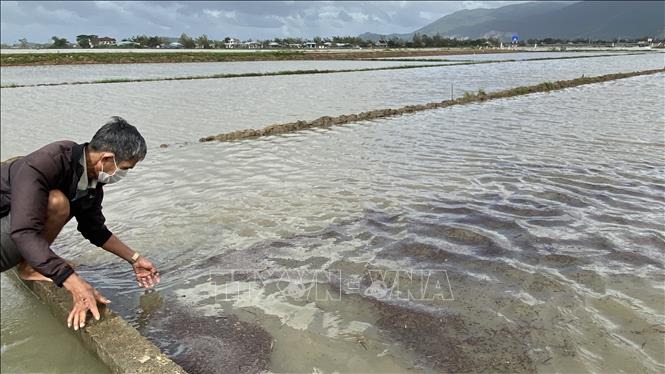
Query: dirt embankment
(480, 96)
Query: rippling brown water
(537, 221)
(543, 215)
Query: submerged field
(108, 56)
(521, 234)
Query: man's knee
(58, 204)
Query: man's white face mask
(107, 178)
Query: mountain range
(596, 20)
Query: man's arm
(91, 224)
(118, 248)
(30, 190)
(91, 221)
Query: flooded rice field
(49, 74)
(544, 231)
(517, 235)
(520, 56)
(212, 106)
(26, 75)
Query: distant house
(327, 45)
(309, 45)
(105, 40)
(274, 45)
(381, 44)
(295, 45)
(232, 43)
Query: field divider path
(480, 96)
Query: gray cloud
(39, 20)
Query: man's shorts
(9, 254)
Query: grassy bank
(468, 97)
(112, 57)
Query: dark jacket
(24, 189)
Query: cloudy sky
(39, 20)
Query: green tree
(187, 41)
(83, 41)
(417, 41)
(154, 41)
(59, 42)
(203, 41)
(427, 41)
(395, 42)
(23, 43)
(141, 39)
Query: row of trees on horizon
(204, 42)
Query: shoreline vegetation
(469, 97)
(84, 58)
(309, 71)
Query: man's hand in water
(146, 274)
(84, 298)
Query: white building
(104, 40)
(232, 43)
(252, 45)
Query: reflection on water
(543, 213)
(184, 111)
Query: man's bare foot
(26, 272)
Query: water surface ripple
(183, 111)
(544, 211)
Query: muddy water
(206, 107)
(538, 219)
(29, 332)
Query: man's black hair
(121, 138)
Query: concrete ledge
(112, 339)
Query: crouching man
(41, 192)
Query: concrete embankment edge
(117, 344)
